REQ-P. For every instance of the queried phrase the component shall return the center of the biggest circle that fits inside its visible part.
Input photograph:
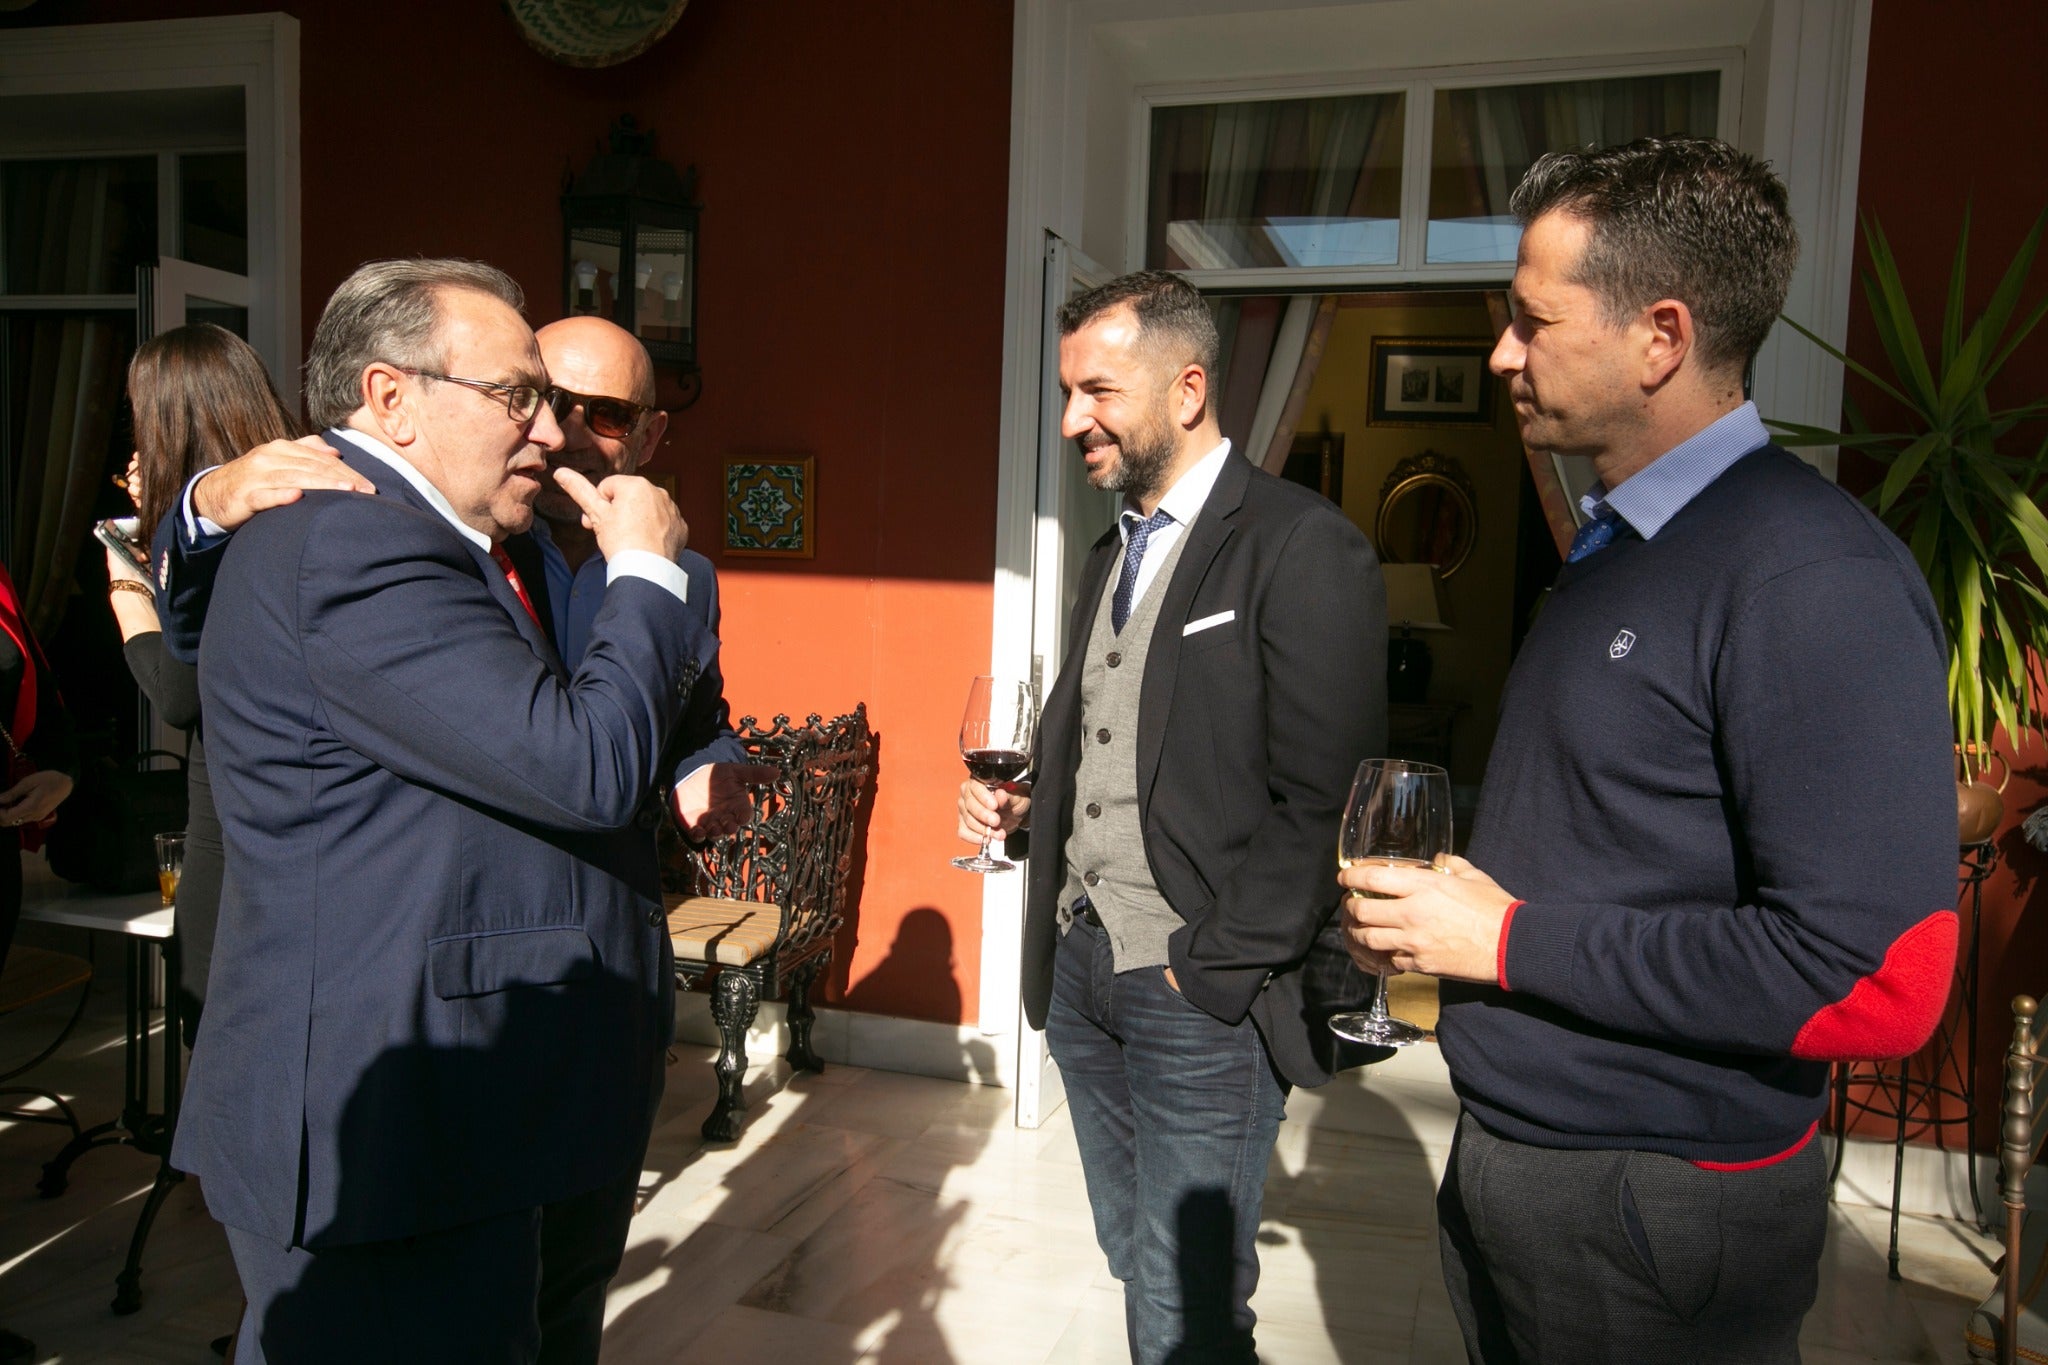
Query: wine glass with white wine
(995, 741)
(1399, 815)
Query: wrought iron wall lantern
(630, 251)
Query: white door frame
(1802, 93)
(259, 53)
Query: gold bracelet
(130, 585)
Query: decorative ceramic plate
(594, 32)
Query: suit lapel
(391, 484)
(1213, 526)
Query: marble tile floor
(875, 1217)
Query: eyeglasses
(522, 401)
(613, 418)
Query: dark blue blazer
(705, 734)
(443, 986)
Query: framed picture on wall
(1431, 382)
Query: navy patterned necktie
(1137, 531)
(1595, 536)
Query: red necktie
(512, 577)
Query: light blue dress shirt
(1648, 499)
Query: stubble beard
(1142, 460)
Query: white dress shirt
(1183, 502)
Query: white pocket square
(1221, 618)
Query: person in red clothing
(38, 748)
(1714, 850)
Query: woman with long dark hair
(201, 397)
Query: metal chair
(755, 912)
(33, 975)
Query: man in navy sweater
(1714, 846)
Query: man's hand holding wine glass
(993, 812)
(1443, 926)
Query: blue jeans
(1175, 1113)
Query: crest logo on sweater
(1623, 643)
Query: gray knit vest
(1106, 850)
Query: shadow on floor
(825, 1230)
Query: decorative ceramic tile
(770, 506)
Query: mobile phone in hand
(123, 535)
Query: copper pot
(1979, 806)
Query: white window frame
(1419, 86)
(259, 53)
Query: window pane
(1484, 140)
(663, 308)
(233, 317)
(1276, 183)
(213, 211)
(77, 226)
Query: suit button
(1115, 658)
(1094, 811)
(654, 919)
(1102, 736)
(1090, 879)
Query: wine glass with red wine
(995, 739)
(1399, 815)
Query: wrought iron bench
(755, 911)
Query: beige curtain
(73, 383)
(1256, 162)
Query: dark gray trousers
(1559, 1257)
(523, 1287)
(463, 1294)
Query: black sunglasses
(613, 418)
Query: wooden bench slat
(726, 932)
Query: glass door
(1071, 515)
(178, 292)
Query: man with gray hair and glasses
(443, 989)
(1716, 830)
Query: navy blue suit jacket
(443, 987)
(705, 734)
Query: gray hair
(389, 311)
(1686, 218)
(1174, 322)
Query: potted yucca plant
(1963, 489)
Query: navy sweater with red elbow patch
(1722, 789)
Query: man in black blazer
(1225, 675)
(444, 987)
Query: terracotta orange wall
(853, 163)
(1930, 146)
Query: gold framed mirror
(1428, 514)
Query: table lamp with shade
(1414, 602)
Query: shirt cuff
(200, 532)
(665, 573)
(675, 791)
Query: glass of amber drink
(170, 861)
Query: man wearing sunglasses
(603, 399)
